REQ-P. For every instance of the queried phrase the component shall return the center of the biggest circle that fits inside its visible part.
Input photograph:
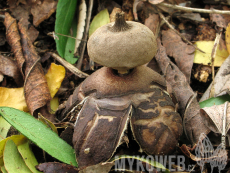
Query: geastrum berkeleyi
(124, 91)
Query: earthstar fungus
(111, 99)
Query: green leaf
(99, 20)
(70, 44)
(64, 17)
(28, 157)
(3, 169)
(150, 162)
(18, 140)
(13, 161)
(215, 101)
(4, 128)
(38, 133)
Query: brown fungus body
(122, 45)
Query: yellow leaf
(227, 37)
(205, 58)
(54, 78)
(13, 97)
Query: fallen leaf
(101, 167)
(205, 58)
(13, 161)
(219, 19)
(13, 38)
(18, 139)
(48, 123)
(13, 97)
(54, 78)
(192, 122)
(227, 37)
(153, 20)
(28, 156)
(180, 51)
(99, 20)
(54, 103)
(213, 118)
(51, 167)
(43, 11)
(4, 128)
(112, 16)
(221, 81)
(35, 86)
(8, 67)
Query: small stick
(188, 9)
(69, 66)
(171, 27)
(223, 136)
(79, 63)
(213, 55)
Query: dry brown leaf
(13, 38)
(213, 117)
(36, 89)
(8, 67)
(219, 19)
(43, 11)
(180, 51)
(152, 22)
(192, 121)
(101, 167)
(51, 167)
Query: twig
(223, 137)
(188, 9)
(213, 55)
(69, 66)
(53, 34)
(171, 27)
(79, 63)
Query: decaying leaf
(101, 167)
(35, 87)
(9, 68)
(180, 51)
(51, 167)
(227, 38)
(221, 81)
(99, 20)
(219, 19)
(192, 122)
(43, 11)
(213, 118)
(205, 58)
(13, 38)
